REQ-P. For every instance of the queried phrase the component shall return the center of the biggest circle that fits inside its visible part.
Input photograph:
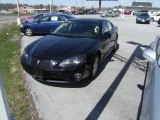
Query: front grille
(42, 64)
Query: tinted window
(45, 19)
(143, 14)
(104, 28)
(109, 26)
(78, 29)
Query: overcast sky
(85, 3)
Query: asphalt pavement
(4, 20)
(113, 95)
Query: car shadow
(139, 86)
(85, 82)
(104, 100)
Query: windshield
(143, 14)
(81, 29)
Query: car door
(111, 30)
(151, 97)
(104, 46)
(56, 20)
(44, 25)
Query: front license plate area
(38, 74)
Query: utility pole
(100, 1)
(82, 6)
(18, 18)
(76, 6)
(123, 8)
(50, 5)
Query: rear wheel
(28, 31)
(94, 68)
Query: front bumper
(70, 74)
(142, 21)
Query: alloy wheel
(28, 31)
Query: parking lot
(114, 94)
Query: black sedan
(72, 52)
(143, 17)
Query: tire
(115, 45)
(28, 31)
(94, 68)
(152, 19)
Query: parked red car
(126, 12)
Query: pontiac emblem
(38, 61)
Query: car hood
(143, 17)
(58, 47)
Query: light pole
(82, 6)
(18, 18)
(100, 2)
(51, 5)
(76, 6)
(122, 7)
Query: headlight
(74, 61)
(139, 18)
(25, 54)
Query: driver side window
(45, 19)
(104, 28)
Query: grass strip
(11, 73)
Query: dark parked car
(72, 52)
(158, 21)
(45, 24)
(112, 13)
(126, 12)
(143, 17)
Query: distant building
(141, 4)
(26, 9)
(66, 9)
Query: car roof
(90, 19)
(59, 14)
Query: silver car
(111, 13)
(151, 95)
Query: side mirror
(150, 55)
(106, 35)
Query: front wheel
(152, 20)
(94, 68)
(28, 31)
(115, 45)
